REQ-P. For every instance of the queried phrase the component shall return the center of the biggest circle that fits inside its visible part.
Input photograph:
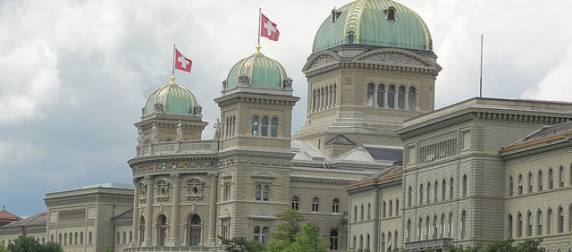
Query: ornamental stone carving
(287, 82)
(158, 107)
(323, 60)
(393, 58)
(243, 80)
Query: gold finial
(173, 79)
(258, 48)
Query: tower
(254, 157)
(173, 173)
(371, 67)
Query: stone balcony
(178, 147)
(441, 244)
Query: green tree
(528, 245)
(29, 244)
(2, 248)
(239, 244)
(288, 238)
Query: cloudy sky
(75, 74)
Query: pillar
(176, 201)
(136, 213)
(149, 212)
(212, 208)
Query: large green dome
(256, 70)
(382, 23)
(172, 99)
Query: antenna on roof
(481, 75)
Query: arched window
(529, 224)
(75, 238)
(540, 180)
(464, 185)
(258, 195)
(396, 206)
(315, 204)
(382, 242)
(335, 206)
(389, 241)
(334, 240)
(451, 189)
(510, 186)
(530, 182)
(509, 231)
(411, 98)
(463, 224)
(380, 94)
(421, 194)
(130, 237)
(520, 186)
(408, 230)
(361, 242)
(562, 176)
(350, 37)
(391, 96)
(442, 235)
(80, 237)
(435, 191)
(141, 231)
(295, 202)
(390, 208)
(368, 211)
(550, 178)
(428, 192)
(355, 242)
(549, 221)
(370, 97)
(435, 225)
(409, 196)
(265, 235)
(264, 126)
(401, 97)
(334, 96)
(124, 237)
(539, 222)
(449, 232)
(420, 229)
(163, 226)
(427, 222)
(314, 101)
(90, 238)
(265, 191)
(362, 212)
(391, 14)
(194, 227)
(257, 233)
(367, 242)
(560, 220)
(519, 226)
(443, 189)
(384, 209)
(255, 125)
(570, 218)
(274, 127)
(355, 213)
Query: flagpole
(173, 68)
(259, 16)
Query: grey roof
(544, 133)
(38, 219)
(384, 153)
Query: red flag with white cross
(182, 63)
(268, 29)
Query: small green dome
(256, 70)
(172, 99)
(382, 23)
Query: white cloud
(556, 84)
(30, 80)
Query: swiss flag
(268, 29)
(182, 63)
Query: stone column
(176, 201)
(134, 242)
(149, 212)
(212, 208)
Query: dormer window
(350, 37)
(390, 13)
